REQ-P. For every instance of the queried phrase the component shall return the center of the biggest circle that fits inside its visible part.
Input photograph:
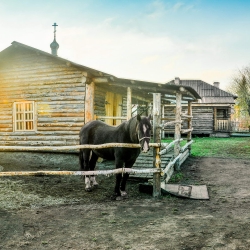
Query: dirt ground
(56, 213)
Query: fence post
(189, 135)
(177, 134)
(157, 139)
(162, 115)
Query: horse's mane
(131, 127)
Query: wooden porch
(222, 125)
(222, 119)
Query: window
(24, 116)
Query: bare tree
(240, 86)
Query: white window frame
(24, 116)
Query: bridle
(145, 137)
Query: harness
(145, 137)
(140, 139)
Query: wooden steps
(143, 161)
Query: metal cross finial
(54, 30)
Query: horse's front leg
(92, 164)
(123, 185)
(117, 185)
(125, 178)
(118, 164)
(84, 166)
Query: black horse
(135, 130)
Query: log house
(211, 114)
(46, 99)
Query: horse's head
(144, 132)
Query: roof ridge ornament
(54, 45)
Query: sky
(150, 40)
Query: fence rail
(83, 173)
(70, 148)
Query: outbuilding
(212, 112)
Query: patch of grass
(233, 147)
(176, 177)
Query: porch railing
(222, 125)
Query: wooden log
(189, 134)
(112, 117)
(31, 137)
(186, 116)
(129, 103)
(187, 145)
(184, 131)
(184, 156)
(177, 134)
(168, 171)
(82, 173)
(33, 77)
(157, 139)
(68, 148)
(172, 123)
(169, 146)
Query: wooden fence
(165, 173)
(179, 156)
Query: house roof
(139, 88)
(15, 45)
(204, 89)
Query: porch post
(157, 139)
(129, 103)
(215, 119)
(229, 120)
(89, 102)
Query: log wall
(202, 120)
(58, 91)
(99, 107)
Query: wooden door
(117, 108)
(109, 107)
(113, 108)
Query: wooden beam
(100, 80)
(157, 139)
(184, 131)
(162, 117)
(215, 119)
(70, 148)
(111, 117)
(89, 102)
(96, 172)
(189, 135)
(177, 135)
(142, 98)
(183, 90)
(129, 103)
(202, 105)
(184, 115)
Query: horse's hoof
(124, 194)
(88, 189)
(119, 198)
